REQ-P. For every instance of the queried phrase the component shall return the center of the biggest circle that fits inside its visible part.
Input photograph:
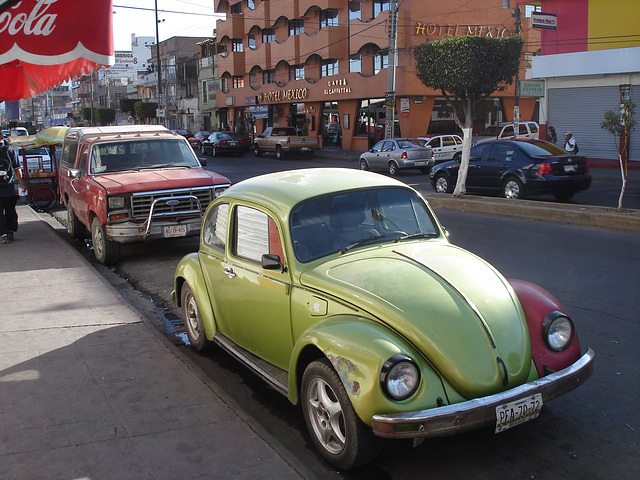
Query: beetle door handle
(228, 271)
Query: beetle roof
(282, 190)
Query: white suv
(505, 131)
(445, 147)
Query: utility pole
(516, 104)
(160, 102)
(390, 96)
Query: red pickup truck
(131, 184)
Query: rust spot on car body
(344, 367)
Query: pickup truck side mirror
(272, 262)
(73, 173)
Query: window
(224, 84)
(296, 27)
(355, 63)
(251, 41)
(257, 235)
(251, 4)
(329, 67)
(269, 76)
(238, 82)
(296, 72)
(380, 60)
(204, 92)
(268, 35)
(329, 18)
(214, 228)
(380, 6)
(237, 45)
(236, 8)
(354, 11)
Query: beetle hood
(453, 306)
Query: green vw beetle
(341, 290)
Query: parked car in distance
(184, 133)
(284, 141)
(133, 183)
(38, 159)
(197, 139)
(225, 143)
(445, 147)
(19, 132)
(395, 154)
(340, 289)
(506, 131)
(517, 169)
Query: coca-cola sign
(69, 37)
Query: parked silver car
(445, 147)
(395, 154)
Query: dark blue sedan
(517, 169)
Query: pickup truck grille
(141, 202)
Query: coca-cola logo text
(36, 22)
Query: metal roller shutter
(581, 110)
(634, 147)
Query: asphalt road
(593, 432)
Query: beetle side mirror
(272, 262)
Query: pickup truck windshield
(340, 222)
(141, 155)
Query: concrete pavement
(89, 390)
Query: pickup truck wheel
(256, 151)
(192, 320)
(76, 229)
(106, 251)
(279, 152)
(337, 432)
(393, 168)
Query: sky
(189, 18)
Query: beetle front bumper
(480, 412)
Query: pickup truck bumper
(130, 232)
(480, 412)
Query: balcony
(288, 50)
(261, 56)
(329, 42)
(362, 33)
(233, 27)
(234, 63)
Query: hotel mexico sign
(432, 30)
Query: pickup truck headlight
(399, 377)
(557, 331)
(116, 203)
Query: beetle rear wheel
(337, 432)
(193, 320)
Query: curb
(580, 215)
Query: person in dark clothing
(10, 166)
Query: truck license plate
(514, 413)
(175, 231)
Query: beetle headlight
(557, 331)
(116, 203)
(399, 377)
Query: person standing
(553, 137)
(570, 144)
(9, 171)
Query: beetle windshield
(140, 155)
(336, 223)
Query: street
(593, 432)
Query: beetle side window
(214, 227)
(256, 235)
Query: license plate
(306, 149)
(175, 231)
(420, 164)
(233, 144)
(514, 413)
(569, 168)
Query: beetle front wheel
(337, 432)
(193, 320)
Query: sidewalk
(89, 390)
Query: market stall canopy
(48, 136)
(46, 42)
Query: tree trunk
(624, 182)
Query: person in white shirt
(570, 144)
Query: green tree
(128, 105)
(106, 116)
(467, 70)
(620, 124)
(146, 110)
